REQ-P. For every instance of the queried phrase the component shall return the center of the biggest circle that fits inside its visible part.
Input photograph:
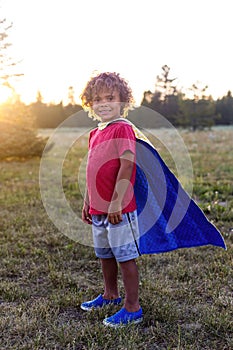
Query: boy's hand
(115, 218)
(86, 217)
(114, 214)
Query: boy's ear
(124, 109)
(123, 104)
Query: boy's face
(107, 105)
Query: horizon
(61, 44)
(11, 99)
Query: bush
(18, 134)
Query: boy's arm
(86, 217)
(122, 184)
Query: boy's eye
(107, 98)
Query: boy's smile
(107, 105)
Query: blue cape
(168, 218)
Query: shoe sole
(121, 325)
(86, 308)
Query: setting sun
(5, 94)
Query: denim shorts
(119, 241)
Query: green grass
(186, 295)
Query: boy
(162, 217)
(110, 204)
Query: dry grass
(186, 295)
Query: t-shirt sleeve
(125, 139)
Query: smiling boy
(110, 204)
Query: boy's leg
(122, 239)
(110, 272)
(130, 278)
(107, 259)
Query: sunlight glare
(5, 94)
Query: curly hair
(110, 81)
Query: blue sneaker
(123, 318)
(98, 303)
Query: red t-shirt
(105, 148)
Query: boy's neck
(111, 120)
(103, 120)
(103, 124)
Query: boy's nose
(104, 103)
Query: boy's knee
(127, 263)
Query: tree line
(52, 115)
(197, 110)
(194, 109)
(19, 122)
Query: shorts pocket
(98, 220)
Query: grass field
(186, 295)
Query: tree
(147, 98)
(71, 97)
(18, 134)
(224, 107)
(198, 111)
(164, 100)
(7, 63)
(164, 83)
(17, 126)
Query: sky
(61, 43)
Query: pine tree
(18, 134)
